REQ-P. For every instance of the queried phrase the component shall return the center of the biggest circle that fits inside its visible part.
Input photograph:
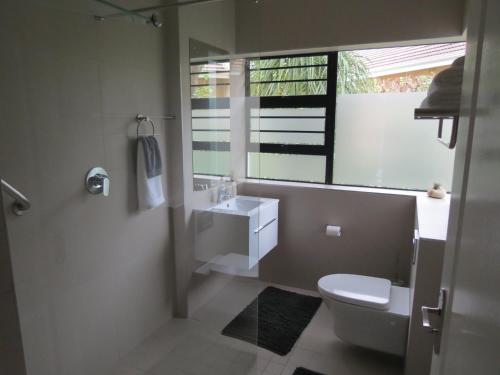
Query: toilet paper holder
(333, 230)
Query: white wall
(376, 236)
(279, 25)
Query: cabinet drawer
(267, 234)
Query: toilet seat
(366, 291)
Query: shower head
(155, 21)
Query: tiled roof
(383, 61)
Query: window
(211, 117)
(377, 140)
(335, 118)
(347, 118)
(290, 135)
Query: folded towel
(445, 90)
(459, 62)
(438, 101)
(149, 173)
(451, 77)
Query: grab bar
(21, 203)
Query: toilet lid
(358, 290)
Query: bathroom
(179, 176)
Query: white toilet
(368, 311)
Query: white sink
(243, 205)
(240, 230)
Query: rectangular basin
(243, 205)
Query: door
(471, 330)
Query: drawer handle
(264, 226)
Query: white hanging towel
(149, 173)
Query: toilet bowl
(368, 311)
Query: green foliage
(202, 92)
(406, 83)
(307, 75)
(295, 68)
(353, 76)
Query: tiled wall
(377, 230)
(11, 350)
(93, 275)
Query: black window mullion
(211, 146)
(289, 131)
(277, 148)
(331, 93)
(287, 67)
(304, 101)
(210, 103)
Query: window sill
(373, 190)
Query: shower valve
(97, 181)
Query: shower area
(98, 274)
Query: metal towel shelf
(441, 115)
(21, 203)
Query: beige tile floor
(195, 346)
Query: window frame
(327, 101)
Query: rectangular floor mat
(274, 320)
(304, 371)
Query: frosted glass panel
(382, 145)
(211, 136)
(211, 123)
(211, 162)
(288, 138)
(302, 124)
(211, 112)
(295, 112)
(308, 168)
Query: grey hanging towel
(152, 157)
(149, 173)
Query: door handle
(426, 322)
(434, 325)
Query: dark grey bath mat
(274, 320)
(304, 371)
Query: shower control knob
(97, 181)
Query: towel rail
(143, 118)
(21, 203)
(441, 115)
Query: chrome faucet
(223, 192)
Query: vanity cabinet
(431, 224)
(233, 236)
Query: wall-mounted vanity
(234, 235)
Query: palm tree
(353, 76)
